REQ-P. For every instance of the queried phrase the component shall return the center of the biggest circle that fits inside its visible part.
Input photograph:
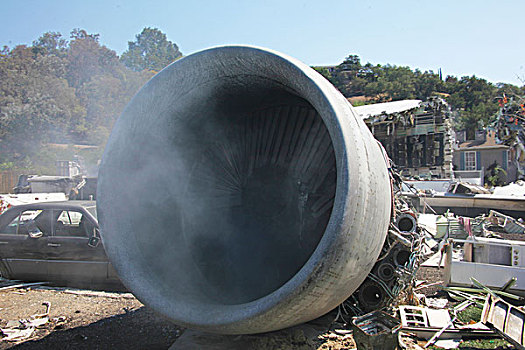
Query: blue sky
(462, 37)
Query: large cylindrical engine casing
(240, 193)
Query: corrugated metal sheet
(377, 109)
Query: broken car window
(29, 221)
(12, 227)
(70, 223)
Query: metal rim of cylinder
(406, 223)
(386, 271)
(351, 241)
(371, 296)
(401, 255)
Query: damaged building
(417, 135)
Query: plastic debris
(23, 329)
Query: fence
(8, 180)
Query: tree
(105, 97)
(50, 43)
(150, 51)
(103, 84)
(36, 102)
(87, 58)
(475, 99)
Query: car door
(71, 257)
(23, 243)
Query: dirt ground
(99, 320)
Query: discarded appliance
(450, 226)
(376, 331)
(506, 319)
(272, 209)
(493, 262)
(415, 316)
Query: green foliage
(72, 91)
(60, 91)
(7, 165)
(495, 175)
(477, 344)
(86, 58)
(36, 102)
(471, 313)
(473, 97)
(50, 43)
(150, 51)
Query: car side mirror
(93, 242)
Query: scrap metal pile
(394, 272)
(481, 294)
(509, 126)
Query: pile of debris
(477, 313)
(508, 124)
(394, 272)
(481, 294)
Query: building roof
(386, 108)
(488, 143)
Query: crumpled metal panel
(506, 319)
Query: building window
(470, 160)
